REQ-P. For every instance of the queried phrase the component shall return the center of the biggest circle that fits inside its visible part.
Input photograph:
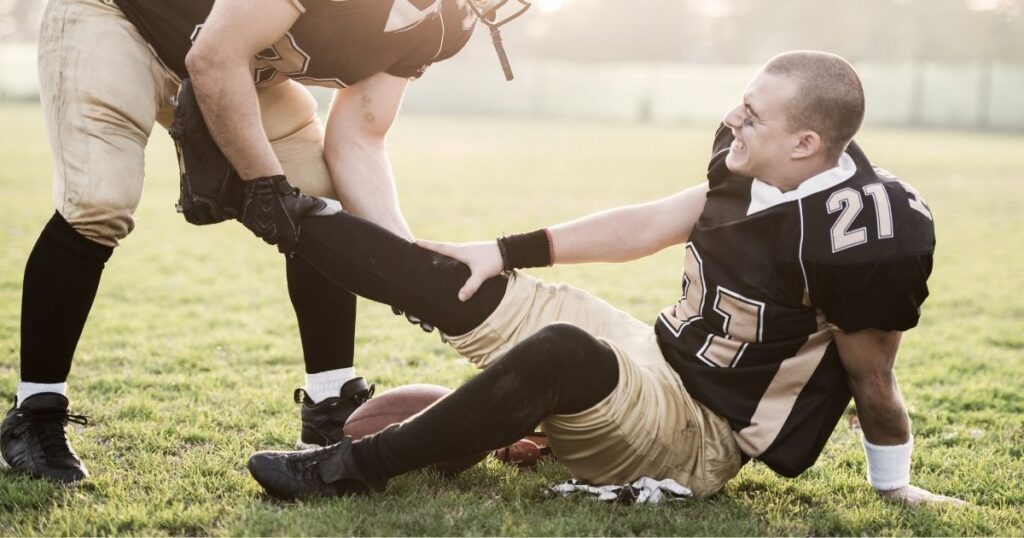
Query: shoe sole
(4, 466)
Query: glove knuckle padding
(211, 190)
(273, 208)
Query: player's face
(763, 142)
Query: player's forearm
(880, 409)
(869, 357)
(365, 182)
(629, 232)
(615, 235)
(228, 100)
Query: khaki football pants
(648, 426)
(103, 88)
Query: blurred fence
(980, 96)
(983, 96)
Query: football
(396, 405)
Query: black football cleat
(33, 439)
(323, 423)
(320, 472)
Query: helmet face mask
(487, 12)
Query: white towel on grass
(643, 490)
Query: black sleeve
(718, 172)
(885, 295)
(723, 139)
(412, 71)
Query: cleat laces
(49, 426)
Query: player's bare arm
(355, 149)
(868, 357)
(631, 232)
(219, 64)
(615, 235)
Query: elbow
(201, 63)
(197, 63)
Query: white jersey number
(850, 203)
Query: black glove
(273, 210)
(211, 190)
(427, 327)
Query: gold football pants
(103, 88)
(648, 426)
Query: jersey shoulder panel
(870, 217)
(457, 23)
(718, 172)
(867, 250)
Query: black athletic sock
(372, 262)
(559, 370)
(327, 317)
(61, 278)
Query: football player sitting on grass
(804, 264)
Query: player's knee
(286, 109)
(63, 233)
(562, 347)
(288, 112)
(104, 226)
(302, 158)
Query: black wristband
(526, 250)
(503, 250)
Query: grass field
(188, 361)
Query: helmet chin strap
(487, 12)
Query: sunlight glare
(550, 6)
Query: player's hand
(915, 496)
(482, 257)
(273, 209)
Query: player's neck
(799, 172)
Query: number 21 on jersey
(849, 203)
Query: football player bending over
(109, 71)
(804, 264)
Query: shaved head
(829, 100)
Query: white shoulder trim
(763, 195)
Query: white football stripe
(405, 15)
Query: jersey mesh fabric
(332, 44)
(752, 335)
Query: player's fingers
(446, 249)
(469, 288)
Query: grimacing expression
(763, 141)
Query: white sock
(26, 389)
(323, 385)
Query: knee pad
(562, 349)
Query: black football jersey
(334, 43)
(751, 336)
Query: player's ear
(808, 144)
